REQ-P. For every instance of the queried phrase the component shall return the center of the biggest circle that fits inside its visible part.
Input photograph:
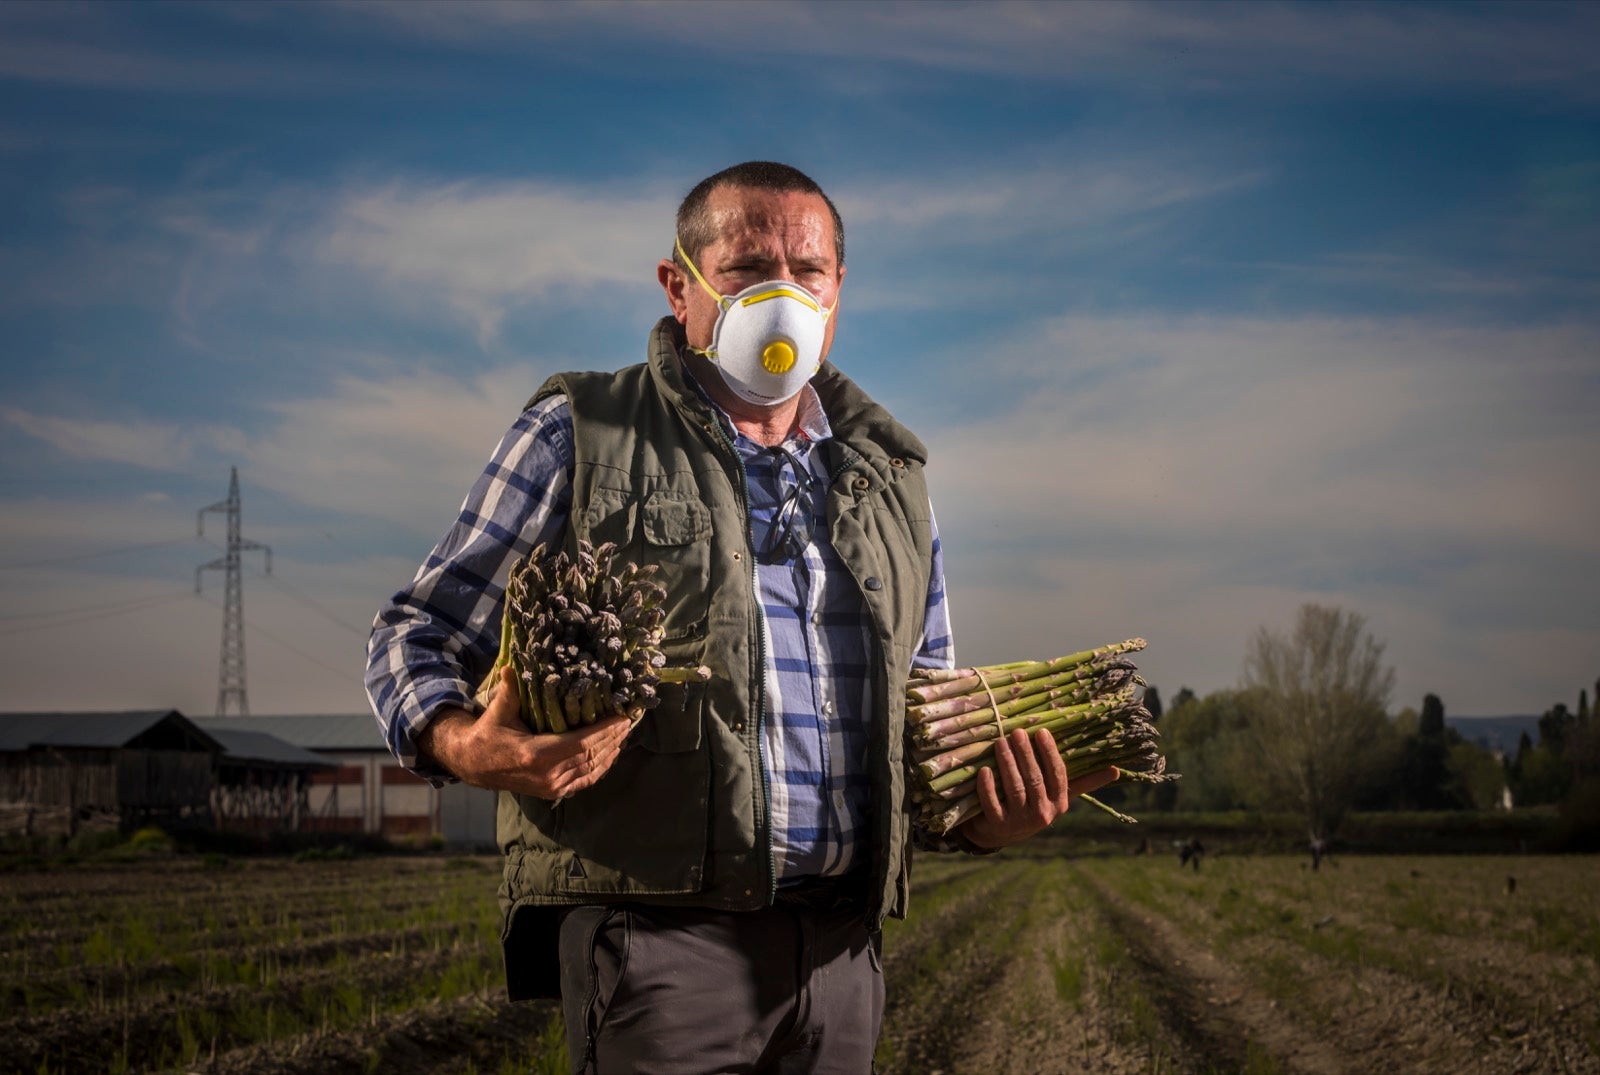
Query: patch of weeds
(1257, 1061)
(1067, 970)
(884, 1058)
(550, 1056)
(150, 840)
(336, 853)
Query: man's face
(761, 236)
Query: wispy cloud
(123, 47)
(402, 448)
(148, 444)
(1197, 477)
(483, 247)
(1207, 47)
(1219, 47)
(1396, 424)
(1003, 203)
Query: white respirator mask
(767, 342)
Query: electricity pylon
(230, 670)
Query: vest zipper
(850, 460)
(760, 706)
(880, 851)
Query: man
(714, 883)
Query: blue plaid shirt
(438, 637)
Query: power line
(81, 616)
(343, 673)
(74, 558)
(106, 607)
(296, 595)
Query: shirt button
(816, 618)
(827, 708)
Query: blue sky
(1203, 311)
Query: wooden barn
(62, 772)
(366, 790)
(262, 784)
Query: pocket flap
(673, 726)
(669, 520)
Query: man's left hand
(1026, 790)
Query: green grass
(283, 948)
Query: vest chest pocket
(609, 517)
(642, 827)
(676, 536)
(672, 519)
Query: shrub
(150, 840)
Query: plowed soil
(1013, 963)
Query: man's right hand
(496, 749)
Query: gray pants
(688, 991)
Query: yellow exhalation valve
(777, 357)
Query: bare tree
(1321, 712)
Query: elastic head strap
(726, 301)
(722, 300)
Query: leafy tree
(1431, 723)
(1152, 702)
(1476, 779)
(1554, 727)
(1321, 692)
(1201, 738)
(1425, 781)
(1184, 695)
(1406, 721)
(1539, 775)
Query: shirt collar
(811, 419)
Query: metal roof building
(368, 790)
(260, 748)
(332, 773)
(102, 731)
(322, 732)
(60, 772)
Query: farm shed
(60, 772)
(262, 783)
(367, 790)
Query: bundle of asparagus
(583, 642)
(1089, 702)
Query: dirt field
(1008, 964)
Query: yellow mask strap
(722, 300)
(726, 301)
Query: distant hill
(1496, 733)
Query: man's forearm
(496, 750)
(441, 741)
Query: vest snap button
(872, 583)
(860, 485)
(898, 463)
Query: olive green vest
(682, 817)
